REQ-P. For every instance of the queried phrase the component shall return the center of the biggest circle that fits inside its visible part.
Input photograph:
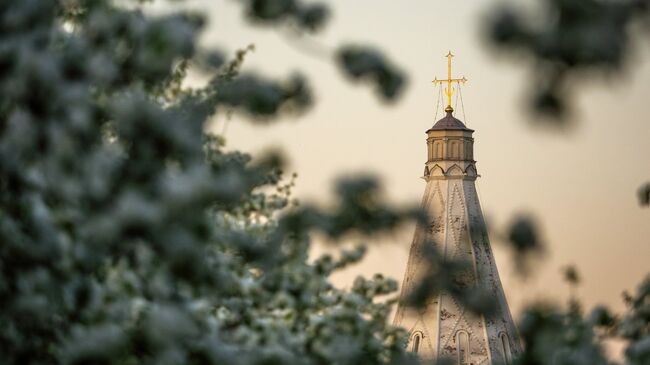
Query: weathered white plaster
(458, 228)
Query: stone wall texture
(444, 328)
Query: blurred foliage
(307, 16)
(447, 276)
(571, 275)
(644, 195)
(365, 64)
(566, 39)
(524, 242)
(130, 236)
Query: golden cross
(449, 90)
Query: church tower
(444, 328)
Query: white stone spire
(444, 328)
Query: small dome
(449, 122)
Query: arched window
(462, 340)
(454, 149)
(438, 148)
(505, 348)
(416, 343)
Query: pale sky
(580, 185)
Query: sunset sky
(579, 184)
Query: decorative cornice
(469, 173)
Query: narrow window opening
(462, 339)
(416, 343)
(505, 348)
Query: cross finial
(449, 90)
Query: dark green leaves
(564, 40)
(454, 278)
(571, 275)
(257, 97)
(359, 208)
(644, 195)
(310, 17)
(367, 65)
(524, 241)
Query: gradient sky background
(580, 185)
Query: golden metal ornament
(449, 90)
